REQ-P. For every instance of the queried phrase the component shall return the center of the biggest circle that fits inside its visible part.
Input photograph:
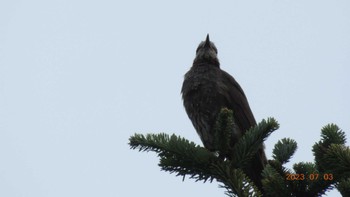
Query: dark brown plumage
(206, 90)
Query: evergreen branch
(301, 187)
(274, 183)
(319, 150)
(177, 155)
(332, 134)
(151, 142)
(284, 149)
(251, 141)
(313, 183)
(344, 187)
(235, 181)
(223, 130)
(185, 158)
(282, 171)
(320, 186)
(337, 161)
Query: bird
(205, 91)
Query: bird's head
(206, 53)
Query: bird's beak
(207, 41)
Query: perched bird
(205, 91)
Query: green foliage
(303, 169)
(330, 134)
(284, 149)
(251, 141)
(313, 184)
(331, 168)
(177, 155)
(185, 158)
(343, 187)
(337, 160)
(332, 158)
(235, 181)
(274, 183)
(223, 131)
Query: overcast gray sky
(78, 78)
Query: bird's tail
(255, 168)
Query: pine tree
(330, 170)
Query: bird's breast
(200, 92)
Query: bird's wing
(236, 100)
